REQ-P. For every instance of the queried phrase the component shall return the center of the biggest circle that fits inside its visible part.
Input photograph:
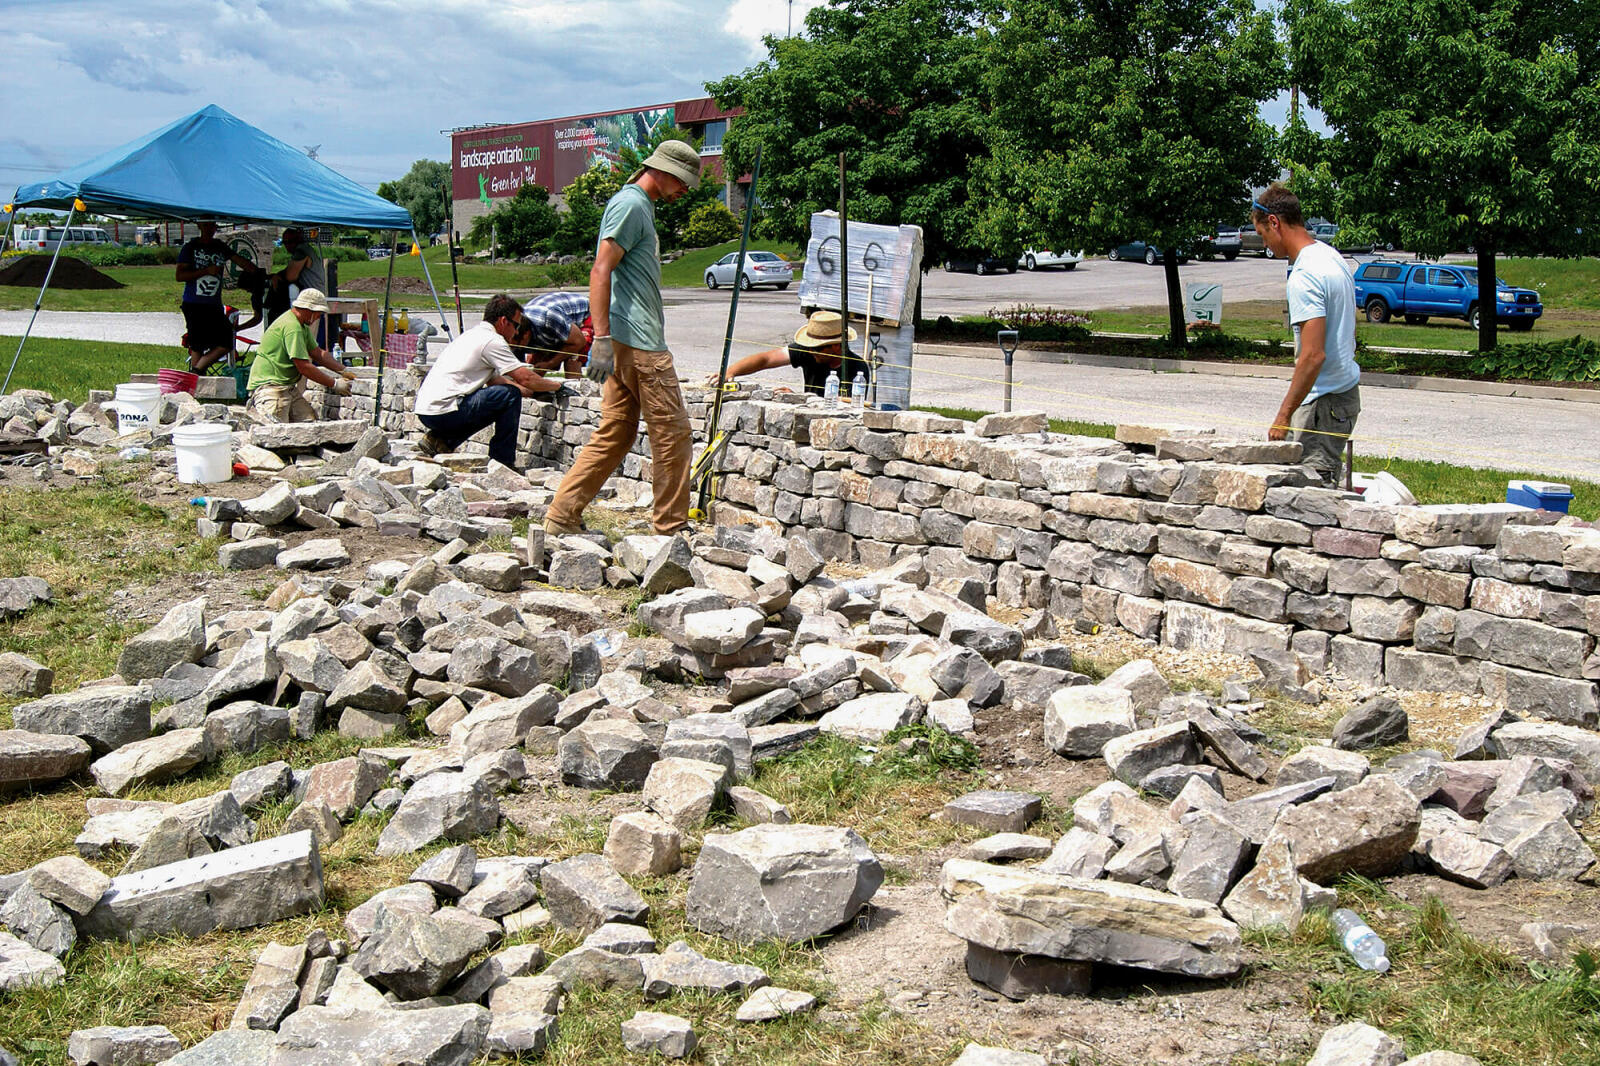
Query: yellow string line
(1389, 443)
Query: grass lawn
(1429, 482)
(68, 369)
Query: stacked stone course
(1191, 539)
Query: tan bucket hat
(821, 330)
(677, 158)
(312, 300)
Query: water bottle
(1360, 941)
(830, 391)
(858, 391)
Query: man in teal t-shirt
(629, 356)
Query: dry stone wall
(1185, 537)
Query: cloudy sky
(371, 82)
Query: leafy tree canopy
(422, 192)
(1460, 123)
(1117, 120)
(896, 86)
(521, 225)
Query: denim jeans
(496, 405)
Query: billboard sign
(493, 163)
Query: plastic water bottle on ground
(1360, 941)
(858, 391)
(830, 391)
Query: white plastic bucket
(136, 406)
(205, 453)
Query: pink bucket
(177, 381)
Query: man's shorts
(208, 327)
(1322, 427)
(284, 403)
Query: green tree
(890, 83)
(585, 200)
(521, 225)
(1116, 120)
(1460, 123)
(422, 192)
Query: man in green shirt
(629, 356)
(288, 357)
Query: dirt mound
(70, 273)
(403, 286)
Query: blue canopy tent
(210, 165)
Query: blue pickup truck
(1419, 291)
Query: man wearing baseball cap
(289, 357)
(629, 356)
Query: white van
(46, 238)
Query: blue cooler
(1541, 495)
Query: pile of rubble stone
(454, 639)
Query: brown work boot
(429, 445)
(556, 529)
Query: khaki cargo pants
(1333, 419)
(645, 383)
(284, 403)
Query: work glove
(602, 360)
(348, 375)
(341, 386)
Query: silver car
(760, 268)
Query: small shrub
(711, 223)
(1575, 359)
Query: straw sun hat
(821, 330)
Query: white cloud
(751, 20)
(375, 81)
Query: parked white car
(760, 268)
(1033, 260)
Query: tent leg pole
(38, 302)
(437, 306)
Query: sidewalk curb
(1281, 373)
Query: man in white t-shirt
(477, 382)
(1324, 395)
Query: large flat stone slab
(1010, 909)
(238, 888)
(304, 436)
(429, 1036)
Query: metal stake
(1007, 339)
(844, 276)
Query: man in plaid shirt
(557, 328)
